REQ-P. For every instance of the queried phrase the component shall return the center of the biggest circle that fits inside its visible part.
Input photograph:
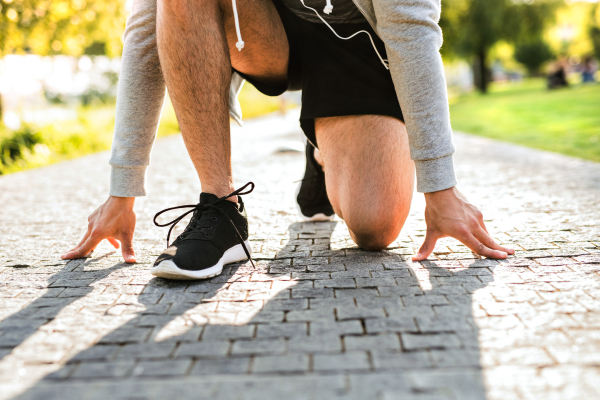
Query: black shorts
(337, 77)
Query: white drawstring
(240, 42)
(329, 7)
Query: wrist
(440, 193)
(125, 202)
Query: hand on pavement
(448, 213)
(115, 221)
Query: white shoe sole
(169, 270)
(315, 218)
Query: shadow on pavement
(64, 288)
(347, 324)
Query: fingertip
(130, 259)
(418, 257)
(501, 254)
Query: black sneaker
(217, 234)
(313, 203)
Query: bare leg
(369, 175)
(196, 46)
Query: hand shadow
(335, 323)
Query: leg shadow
(305, 322)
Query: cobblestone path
(317, 318)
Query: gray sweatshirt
(410, 31)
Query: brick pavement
(317, 318)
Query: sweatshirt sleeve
(412, 36)
(140, 99)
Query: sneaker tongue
(211, 198)
(207, 198)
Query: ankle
(220, 191)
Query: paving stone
(326, 343)
(220, 332)
(357, 360)
(111, 369)
(277, 364)
(235, 365)
(258, 346)
(312, 293)
(288, 329)
(354, 312)
(352, 327)
(132, 335)
(105, 352)
(385, 359)
(391, 324)
(310, 315)
(411, 341)
(162, 368)
(286, 304)
(376, 342)
(203, 349)
(339, 283)
(146, 350)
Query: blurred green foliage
(72, 27)
(595, 30)
(35, 145)
(533, 54)
(472, 27)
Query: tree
(472, 27)
(69, 27)
(595, 30)
(533, 54)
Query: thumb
(426, 249)
(114, 242)
(127, 250)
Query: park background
(60, 60)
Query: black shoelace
(200, 207)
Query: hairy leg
(368, 173)
(196, 46)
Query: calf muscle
(196, 46)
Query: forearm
(413, 38)
(140, 99)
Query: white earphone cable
(240, 42)
(383, 61)
(327, 10)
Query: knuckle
(463, 231)
(96, 232)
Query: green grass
(565, 121)
(37, 145)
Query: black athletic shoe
(217, 234)
(312, 199)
